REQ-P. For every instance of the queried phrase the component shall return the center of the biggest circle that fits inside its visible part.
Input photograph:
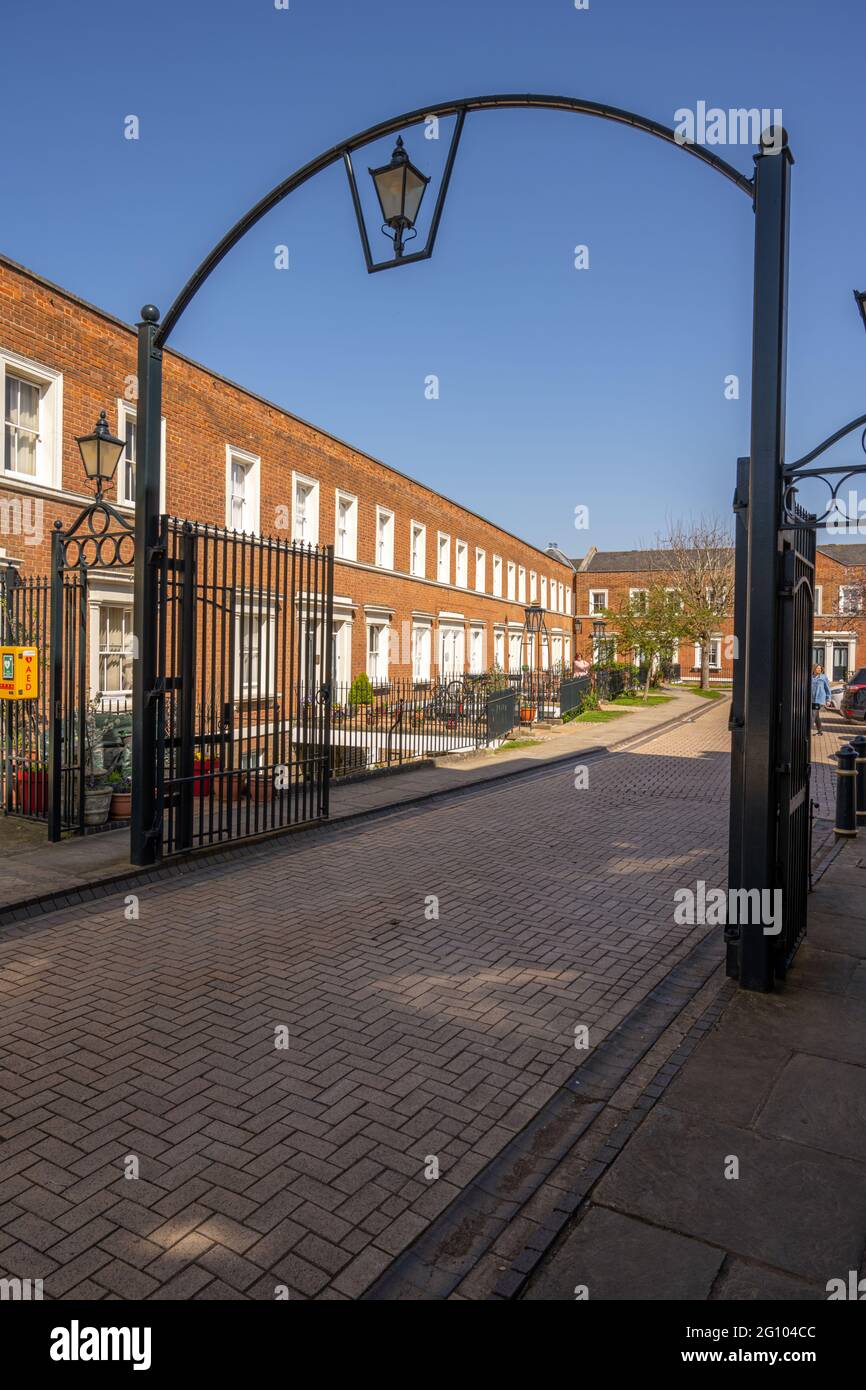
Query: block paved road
(410, 1037)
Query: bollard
(859, 746)
(846, 792)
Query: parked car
(853, 701)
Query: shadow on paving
(411, 1035)
(779, 1085)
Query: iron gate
(243, 685)
(81, 707)
(792, 746)
(24, 611)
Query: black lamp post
(400, 188)
(860, 297)
(100, 453)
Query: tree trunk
(705, 664)
(649, 676)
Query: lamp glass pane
(389, 186)
(89, 448)
(415, 186)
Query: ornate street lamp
(860, 296)
(400, 188)
(100, 453)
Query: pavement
(455, 1049)
(283, 1071)
(745, 1177)
(31, 868)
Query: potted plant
(97, 789)
(32, 790)
(120, 806)
(203, 767)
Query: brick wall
(96, 356)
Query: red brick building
(604, 579)
(422, 585)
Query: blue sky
(601, 388)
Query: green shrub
(588, 701)
(361, 692)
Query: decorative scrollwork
(834, 477)
(100, 537)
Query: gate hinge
(736, 721)
(158, 691)
(783, 769)
(732, 933)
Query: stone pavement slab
(779, 1085)
(792, 1207)
(819, 1102)
(617, 1257)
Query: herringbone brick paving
(411, 1036)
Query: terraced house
(604, 579)
(422, 585)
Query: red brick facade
(81, 360)
(840, 635)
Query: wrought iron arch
(460, 109)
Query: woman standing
(821, 696)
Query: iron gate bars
(24, 765)
(243, 686)
(99, 538)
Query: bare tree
(698, 561)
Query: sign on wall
(19, 673)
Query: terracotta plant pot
(527, 714)
(201, 781)
(262, 786)
(121, 806)
(232, 786)
(32, 793)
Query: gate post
(761, 705)
(330, 673)
(736, 720)
(145, 836)
(186, 755)
(55, 681)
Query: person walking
(821, 696)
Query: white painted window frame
(49, 443)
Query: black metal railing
(610, 681)
(385, 724)
(501, 713)
(571, 692)
(24, 621)
(244, 665)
